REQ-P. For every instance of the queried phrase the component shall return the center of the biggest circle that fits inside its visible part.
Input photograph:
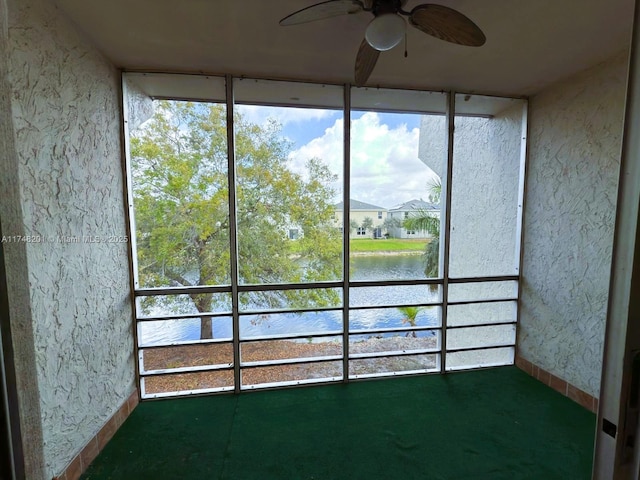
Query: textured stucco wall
(139, 105)
(65, 108)
(574, 149)
(484, 194)
(18, 292)
(484, 209)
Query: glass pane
(480, 358)
(394, 342)
(393, 295)
(168, 332)
(465, 292)
(389, 365)
(485, 187)
(178, 162)
(299, 373)
(290, 299)
(394, 209)
(283, 324)
(387, 262)
(185, 383)
(475, 313)
(481, 336)
(399, 317)
(289, 176)
(286, 349)
(166, 305)
(186, 356)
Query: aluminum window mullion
(395, 330)
(522, 198)
(346, 215)
(183, 343)
(291, 361)
(130, 220)
(178, 370)
(245, 313)
(393, 305)
(489, 300)
(161, 291)
(450, 116)
(395, 353)
(394, 283)
(487, 347)
(182, 316)
(480, 325)
(294, 336)
(496, 278)
(233, 231)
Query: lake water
(387, 267)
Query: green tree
(410, 314)
(367, 224)
(424, 220)
(353, 225)
(391, 223)
(181, 199)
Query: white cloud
(385, 168)
(259, 114)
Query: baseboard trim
(81, 461)
(579, 396)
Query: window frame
(442, 282)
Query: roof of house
(358, 205)
(413, 205)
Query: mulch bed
(222, 354)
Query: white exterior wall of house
(400, 232)
(69, 301)
(574, 145)
(378, 216)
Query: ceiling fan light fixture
(385, 31)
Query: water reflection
(363, 268)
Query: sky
(385, 168)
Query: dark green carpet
(490, 424)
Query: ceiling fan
(388, 27)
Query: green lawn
(387, 245)
(379, 245)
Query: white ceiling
(530, 43)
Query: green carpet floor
(489, 424)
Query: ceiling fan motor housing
(387, 6)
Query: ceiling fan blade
(365, 62)
(322, 10)
(446, 24)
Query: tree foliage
(367, 223)
(423, 220)
(391, 223)
(410, 314)
(182, 214)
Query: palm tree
(410, 314)
(422, 220)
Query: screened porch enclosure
(290, 233)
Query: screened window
(245, 247)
